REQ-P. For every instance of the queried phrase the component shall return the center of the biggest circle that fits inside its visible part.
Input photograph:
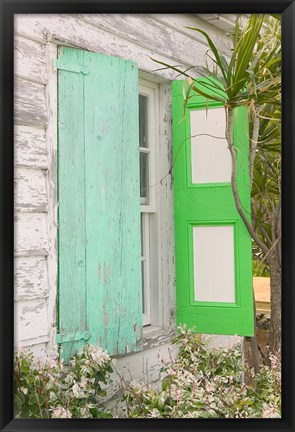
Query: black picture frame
(7, 11)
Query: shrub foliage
(53, 389)
(206, 383)
(199, 383)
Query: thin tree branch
(176, 156)
(253, 340)
(275, 243)
(264, 233)
(276, 223)
(229, 137)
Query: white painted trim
(163, 300)
(165, 201)
(52, 224)
(150, 211)
(150, 90)
(146, 316)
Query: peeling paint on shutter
(99, 205)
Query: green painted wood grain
(110, 199)
(71, 210)
(112, 202)
(211, 204)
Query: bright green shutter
(199, 205)
(99, 207)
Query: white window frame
(149, 214)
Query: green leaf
(41, 400)
(106, 415)
(207, 95)
(32, 399)
(25, 369)
(167, 66)
(244, 51)
(94, 411)
(19, 395)
(220, 62)
(17, 403)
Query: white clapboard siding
(30, 278)
(30, 321)
(38, 349)
(179, 22)
(30, 190)
(29, 103)
(30, 234)
(30, 147)
(70, 30)
(149, 34)
(30, 60)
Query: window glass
(144, 177)
(143, 121)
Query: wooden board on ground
(262, 294)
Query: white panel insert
(214, 274)
(210, 157)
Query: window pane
(143, 121)
(214, 273)
(142, 239)
(210, 158)
(144, 177)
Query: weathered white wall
(144, 366)
(135, 37)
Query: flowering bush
(53, 389)
(203, 383)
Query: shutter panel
(99, 204)
(213, 247)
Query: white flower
(178, 394)
(85, 412)
(52, 396)
(61, 412)
(270, 412)
(98, 355)
(52, 359)
(85, 369)
(76, 391)
(24, 390)
(155, 413)
(69, 379)
(274, 360)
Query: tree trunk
(253, 341)
(275, 301)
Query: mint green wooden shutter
(205, 212)
(99, 207)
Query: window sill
(155, 336)
(147, 330)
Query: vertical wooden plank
(114, 303)
(71, 196)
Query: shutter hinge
(71, 67)
(72, 337)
